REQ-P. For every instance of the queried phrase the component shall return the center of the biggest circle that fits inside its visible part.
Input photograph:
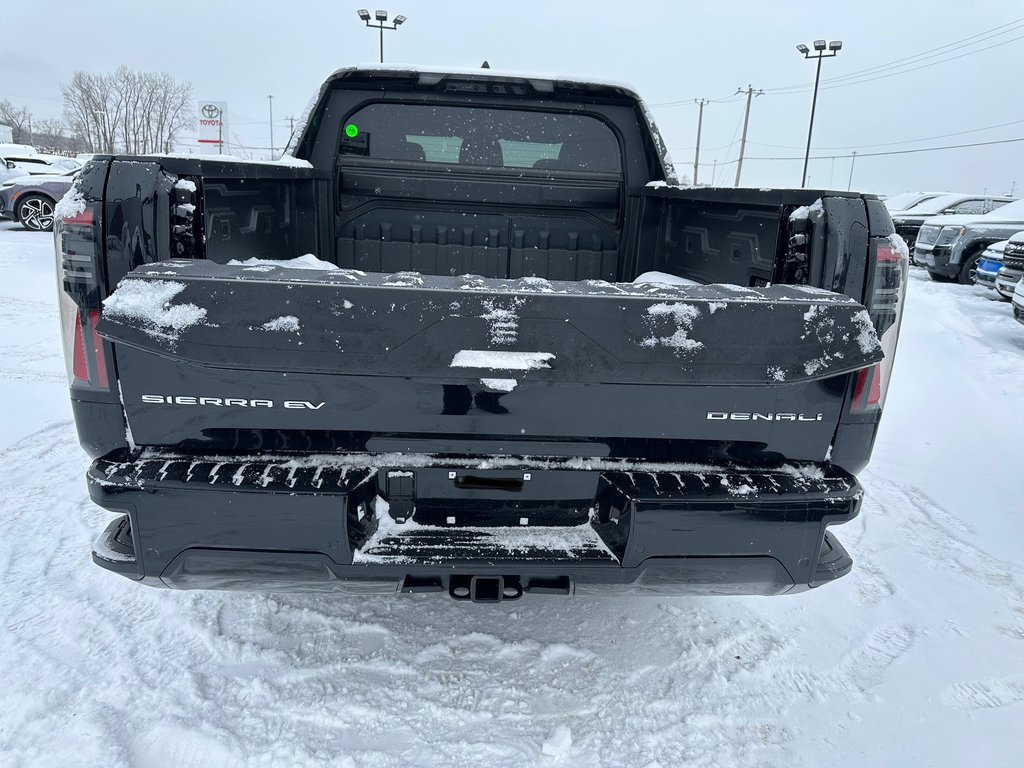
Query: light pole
(819, 54)
(382, 17)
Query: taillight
(887, 290)
(78, 284)
(88, 359)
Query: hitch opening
(485, 589)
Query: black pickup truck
(470, 336)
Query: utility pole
(751, 93)
(819, 53)
(270, 100)
(1013, 186)
(700, 124)
(854, 160)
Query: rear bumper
(302, 525)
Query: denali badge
(735, 416)
(222, 402)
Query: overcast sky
(240, 52)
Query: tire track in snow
(942, 538)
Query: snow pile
(558, 743)
(805, 211)
(867, 337)
(683, 315)
(392, 540)
(500, 385)
(664, 278)
(899, 245)
(187, 184)
(403, 279)
(306, 261)
(71, 205)
(148, 301)
(501, 361)
(539, 284)
(288, 323)
(285, 160)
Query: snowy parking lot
(916, 658)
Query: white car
(906, 200)
(19, 150)
(30, 165)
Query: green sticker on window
(351, 130)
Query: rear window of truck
(479, 136)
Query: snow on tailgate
(148, 303)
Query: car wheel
(35, 212)
(969, 271)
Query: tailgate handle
(476, 483)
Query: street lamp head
(400, 19)
(803, 49)
(363, 14)
(383, 16)
(835, 45)
(819, 45)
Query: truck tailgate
(204, 347)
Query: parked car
(6, 174)
(951, 246)
(989, 264)
(905, 200)
(1013, 266)
(908, 222)
(1018, 302)
(18, 150)
(32, 165)
(30, 199)
(400, 452)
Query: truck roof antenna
(485, 65)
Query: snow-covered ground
(915, 659)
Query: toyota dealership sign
(213, 126)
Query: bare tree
(18, 118)
(128, 110)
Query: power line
(714, 176)
(923, 66)
(902, 66)
(894, 143)
(900, 151)
(885, 70)
(683, 102)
